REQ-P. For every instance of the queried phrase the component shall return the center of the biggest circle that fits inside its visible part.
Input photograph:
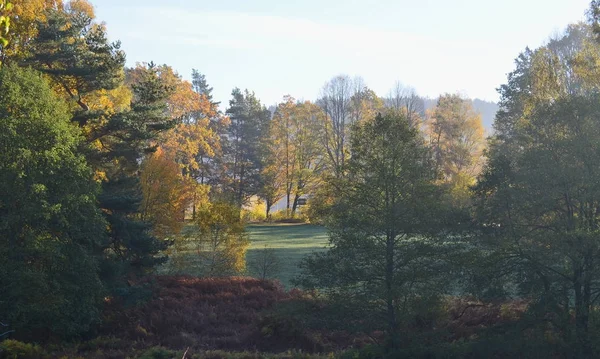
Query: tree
(194, 142)
(266, 264)
(218, 124)
(336, 103)
(244, 146)
(295, 158)
(120, 121)
(282, 149)
(25, 15)
(538, 197)
(166, 195)
(53, 231)
(201, 87)
(74, 51)
(364, 103)
(456, 135)
(127, 138)
(272, 182)
(406, 100)
(5, 10)
(308, 154)
(384, 254)
(221, 239)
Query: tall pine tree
(243, 147)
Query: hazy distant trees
(406, 100)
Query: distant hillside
(487, 109)
(488, 112)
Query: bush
(14, 349)
(158, 353)
(266, 264)
(255, 213)
(283, 217)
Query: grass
(290, 243)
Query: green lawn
(290, 242)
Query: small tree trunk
(389, 287)
(287, 203)
(268, 211)
(582, 307)
(295, 205)
(194, 207)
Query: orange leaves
(184, 103)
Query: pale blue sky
(279, 47)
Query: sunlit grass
(290, 243)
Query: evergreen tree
(121, 121)
(130, 136)
(244, 147)
(201, 86)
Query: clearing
(290, 242)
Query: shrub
(158, 353)
(220, 238)
(266, 264)
(255, 213)
(14, 349)
(283, 217)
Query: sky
(280, 47)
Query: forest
(129, 198)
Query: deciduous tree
(455, 132)
(221, 239)
(538, 197)
(384, 254)
(53, 231)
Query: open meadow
(289, 242)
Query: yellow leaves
(25, 14)
(189, 141)
(109, 101)
(184, 101)
(222, 238)
(82, 7)
(100, 176)
(166, 194)
(456, 134)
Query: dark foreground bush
(248, 318)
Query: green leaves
(538, 197)
(5, 9)
(52, 228)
